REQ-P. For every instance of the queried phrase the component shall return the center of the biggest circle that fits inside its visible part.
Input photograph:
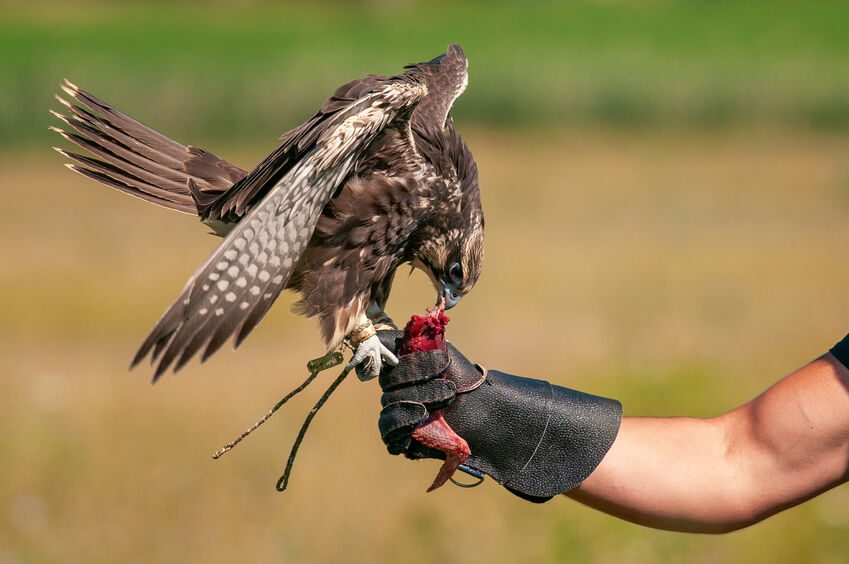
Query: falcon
(377, 178)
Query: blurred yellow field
(681, 273)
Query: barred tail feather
(137, 160)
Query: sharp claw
(376, 363)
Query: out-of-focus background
(666, 188)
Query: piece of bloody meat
(425, 333)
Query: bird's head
(448, 244)
(452, 259)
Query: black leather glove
(536, 439)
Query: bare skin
(717, 475)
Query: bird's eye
(456, 273)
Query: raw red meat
(425, 333)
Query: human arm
(715, 475)
(699, 475)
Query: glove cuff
(536, 439)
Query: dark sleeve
(841, 351)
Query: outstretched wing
(239, 199)
(445, 78)
(137, 160)
(233, 289)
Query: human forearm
(720, 474)
(666, 473)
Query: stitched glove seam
(544, 429)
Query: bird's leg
(379, 318)
(369, 352)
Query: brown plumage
(376, 178)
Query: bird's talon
(367, 366)
(368, 358)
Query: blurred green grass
(249, 71)
(667, 195)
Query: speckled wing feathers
(235, 286)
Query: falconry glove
(536, 439)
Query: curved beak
(451, 296)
